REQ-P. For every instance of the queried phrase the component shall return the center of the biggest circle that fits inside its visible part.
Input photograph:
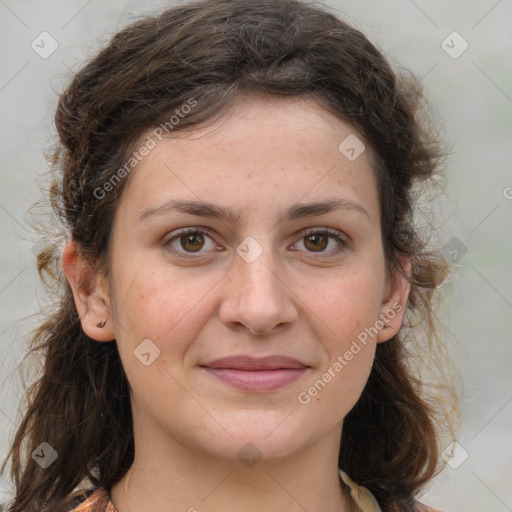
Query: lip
(257, 374)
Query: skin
(294, 299)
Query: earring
(101, 324)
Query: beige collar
(363, 498)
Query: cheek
(347, 304)
(345, 309)
(348, 348)
(157, 305)
(347, 377)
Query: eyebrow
(205, 209)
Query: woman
(244, 283)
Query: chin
(258, 434)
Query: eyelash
(343, 242)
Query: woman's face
(247, 285)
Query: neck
(178, 479)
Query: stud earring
(101, 324)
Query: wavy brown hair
(212, 51)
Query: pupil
(193, 242)
(319, 242)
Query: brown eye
(192, 242)
(324, 242)
(316, 242)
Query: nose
(256, 299)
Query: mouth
(256, 374)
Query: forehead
(260, 146)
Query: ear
(394, 305)
(90, 293)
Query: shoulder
(92, 500)
(366, 502)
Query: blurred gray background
(460, 50)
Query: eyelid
(185, 231)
